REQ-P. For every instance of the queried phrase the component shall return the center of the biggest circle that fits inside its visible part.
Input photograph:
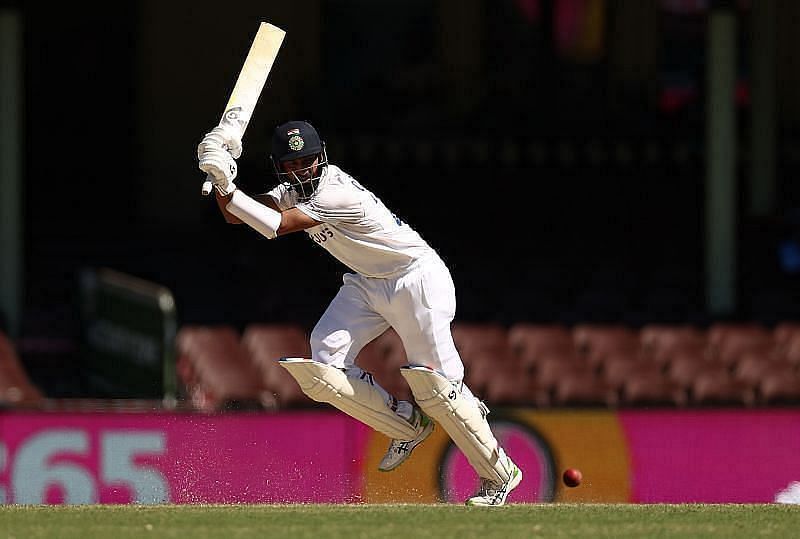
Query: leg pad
(358, 397)
(462, 416)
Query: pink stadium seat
(790, 349)
(684, 368)
(16, 388)
(597, 342)
(268, 343)
(487, 368)
(727, 341)
(652, 389)
(551, 369)
(583, 389)
(752, 367)
(616, 370)
(471, 339)
(662, 342)
(718, 388)
(785, 331)
(657, 335)
(778, 388)
(513, 384)
(734, 345)
(530, 342)
(719, 331)
(383, 358)
(216, 370)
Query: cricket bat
(252, 77)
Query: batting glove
(224, 136)
(220, 166)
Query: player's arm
(263, 215)
(293, 220)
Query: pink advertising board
(666, 456)
(713, 456)
(179, 458)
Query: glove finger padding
(223, 137)
(219, 164)
(231, 139)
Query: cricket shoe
(492, 493)
(400, 450)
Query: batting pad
(461, 417)
(356, 397)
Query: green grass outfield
(404, 521)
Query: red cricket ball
(572, 477)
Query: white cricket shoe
(400, 450)
(494, 494)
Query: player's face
(302, 168)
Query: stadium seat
(752, 367)
(719, 331)
(790, 349)
(652, 389)
(486, 368)
(684, 368)
(661, 342)
(266, 344)
(217, 371)
(597, 342)
(551, 369)
(512, 384)
(734, 345)
(727, 341)
(530, 342)
(718, 388)
(16, 388)
(581, 389)
(785, 331)
(473, 338)
(616, 370)
(383, 358)
(778, 388)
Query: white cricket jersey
(357, 228)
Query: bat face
(252, 77)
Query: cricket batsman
(397, 281)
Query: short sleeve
(284, 197)
(340, 203)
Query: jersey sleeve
(284, 197)
(335, 204)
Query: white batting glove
(225, 136)
(220, 167)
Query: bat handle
(207, 186)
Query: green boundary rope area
(404, 521)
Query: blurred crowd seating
(725, 364)
(538, 365)
(16, 388)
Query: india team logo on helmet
(296, 143)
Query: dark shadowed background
(553, 152)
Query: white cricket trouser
(419, 305)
